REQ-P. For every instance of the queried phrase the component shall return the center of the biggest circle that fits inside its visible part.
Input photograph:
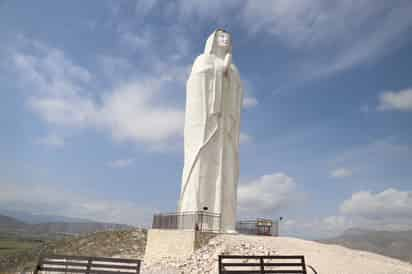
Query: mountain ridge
(395, 244)
(32, 218)
(10, 224)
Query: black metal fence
(198, 220)
(229, 264)
(258, 227)
(86, 265)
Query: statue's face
(223, 39)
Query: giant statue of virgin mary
(211, 134)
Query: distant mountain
(396, 244)
(75, 228)
(9, 224)
(31, 218)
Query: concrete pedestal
(173, 243)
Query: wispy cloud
(185, 10)
(61, 97)
(310, 26)
(313, 29)
(341, 173)
(392, 100)
(52, 140)
(141, 41)
(245, 138)
(121, 163)
(373, 155)
(249, 102)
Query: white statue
(211, 136)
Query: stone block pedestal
(163, 243)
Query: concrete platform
(174, 243)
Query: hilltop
(325, 258)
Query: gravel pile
(330, 259)
(129, 243)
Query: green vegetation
(18, 249)
(22, 243)
(11, 243)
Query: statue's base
(163, 243)
(231, 232)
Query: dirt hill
(325, 258)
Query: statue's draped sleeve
(202, 103)
(239, 92)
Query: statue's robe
(211, 138)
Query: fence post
(89, 264)
(262, 266)
(138, 267)
(201, 220)
(303, 264)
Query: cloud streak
(249, 102)
(329, 36)
(311, 26)
(52, 140)
(121, 163)
(341, 173)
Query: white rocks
(330, 259)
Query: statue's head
(223, 39)
(219, 39)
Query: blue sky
(92, 108)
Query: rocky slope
(122, 243)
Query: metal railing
(83, 264)
(197, 220)
(258, 227)
(229, 264)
